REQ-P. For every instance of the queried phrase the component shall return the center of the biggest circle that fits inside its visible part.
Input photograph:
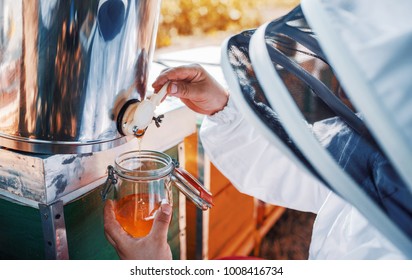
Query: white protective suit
(259, 169)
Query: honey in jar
(135, 213)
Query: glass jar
(141, 181)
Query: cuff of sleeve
(227, 115)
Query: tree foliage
(194, 17)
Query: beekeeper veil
(329, 84)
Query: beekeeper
(257, 168)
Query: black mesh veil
(248, 91)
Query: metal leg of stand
(54, 231)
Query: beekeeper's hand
(195, 87)
(154, 246)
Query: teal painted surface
(21, 234)
(85, 233)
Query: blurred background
(212, 20)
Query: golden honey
(135, 213)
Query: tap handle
(157, 97)
(145, 111)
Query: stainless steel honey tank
(62, 64)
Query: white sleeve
(254, 166)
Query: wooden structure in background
(237, 222)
